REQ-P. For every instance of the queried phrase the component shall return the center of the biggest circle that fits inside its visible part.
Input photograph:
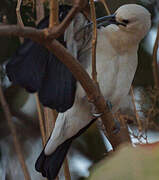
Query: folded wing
(37, 70)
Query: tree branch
(154, 63)
(18, 149)
(56, 31)
(54, 19)
(94, 40)
(26, 32)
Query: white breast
(115, 71)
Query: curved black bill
(106, 20)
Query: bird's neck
(121, 41)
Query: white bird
(116, 55)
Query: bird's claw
(96, 115)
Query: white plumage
(117, 47)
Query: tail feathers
(49, 165)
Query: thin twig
(54, 114)
(135, 110)
(106, 6)
(154, 63)
(33, 33)
(18, 149)
(94, 40)
(39, 11)
(66, 170)
(19, 18)
(39, 16)
(50, 119)
(54, 20)
(55, 32)
(47, 123)
(41, 120)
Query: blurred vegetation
(128, 163)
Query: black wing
(58, 86)
(26, 68)
(38, 70)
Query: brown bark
(94, 40)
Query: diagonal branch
(106, 6)
(18, 149)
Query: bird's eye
(126, 21)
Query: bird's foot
(96, 115)
(116, 127)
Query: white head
(128, 26)
(134, 19)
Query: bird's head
(127, 26)
(133, 18)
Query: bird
(116, 54)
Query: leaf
(129, 163)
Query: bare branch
(19, 19)
(50, 33)
(41, 120)
(135, 110)
(54, 19)
(26, 32)
(106, 6)
(154, 63)
(39, 11)
(94, 40)
(55, 32)
(18, 149)
(66, 170)
(39, 16)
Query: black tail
(50, 165)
